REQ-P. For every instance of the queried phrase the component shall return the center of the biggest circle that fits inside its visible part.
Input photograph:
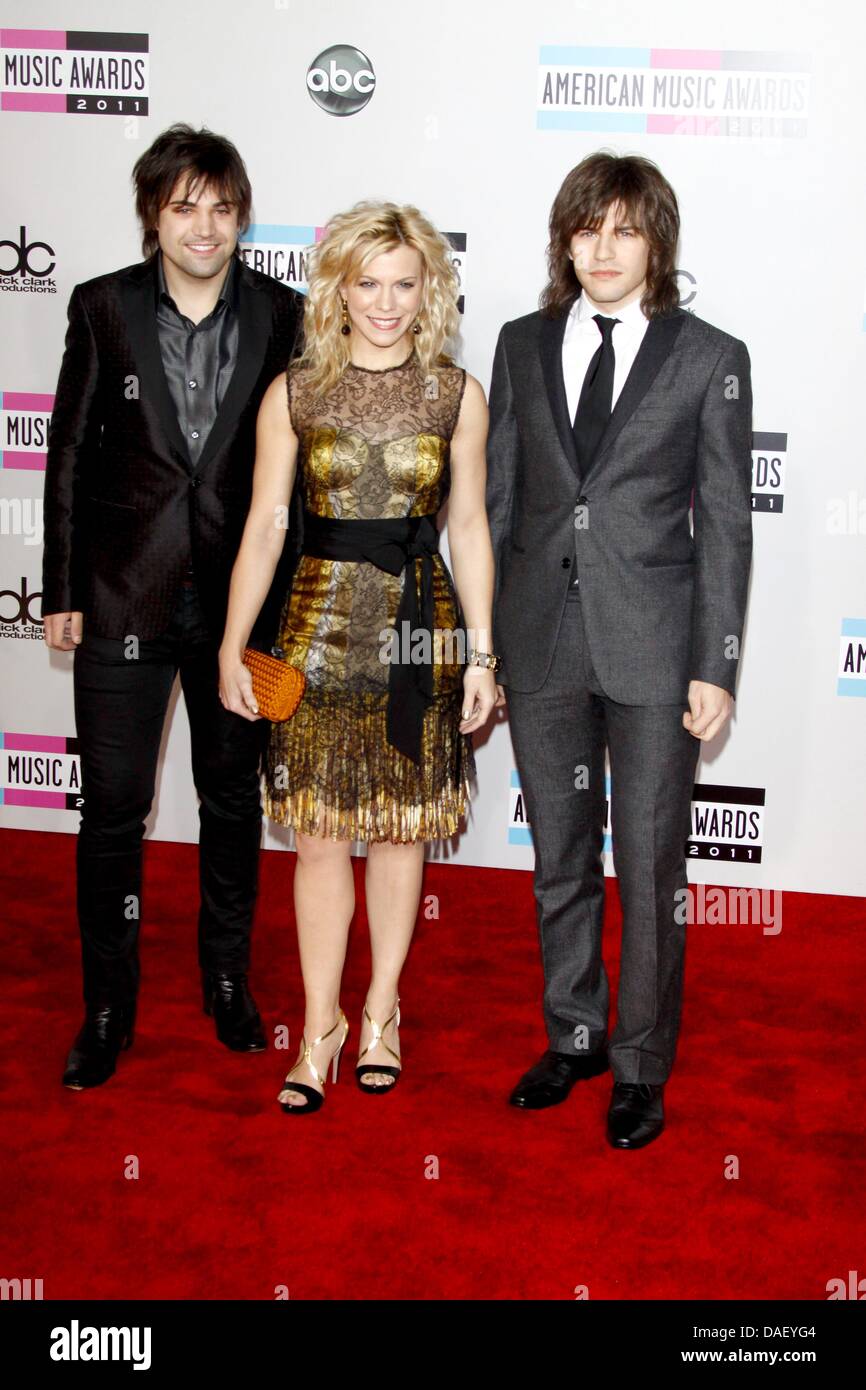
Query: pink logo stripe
(32, 101)
(34, 743)
(685, 58)
(32, 38)
(12, 796)
(13, 458)
(27, 400)
(682, 125)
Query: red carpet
(234, 1199)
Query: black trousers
(121, 698)
(559, 735)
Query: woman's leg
(393, 891)
(324, 903)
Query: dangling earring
(416, 327)
(347, 327)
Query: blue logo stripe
(555, 55)
(271, 232)
(588, 120)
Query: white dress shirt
(582, 340)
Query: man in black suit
(148, 484)
(611, 411)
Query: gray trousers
(557, 731)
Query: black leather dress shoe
(105, 1032)
(636, 1115)
(550, 1080)
(227, 999)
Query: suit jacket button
(195, 482)
(566, 562)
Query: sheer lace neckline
(380, 371)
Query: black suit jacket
(661, 607)
(126, 512)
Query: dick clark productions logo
(341, 80)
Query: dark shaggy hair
(649, 203)
(201, 156)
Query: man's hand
(500, 696)
(710, 708)
(63, 631)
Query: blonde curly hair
(351, 240)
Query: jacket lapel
(138, 289)
(254, 328)
(551, 333)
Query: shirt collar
(631, 315)
(228, 293)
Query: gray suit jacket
(660, 607)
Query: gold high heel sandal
(315, 1099)
(371, 1067)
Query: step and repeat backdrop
(475, 113)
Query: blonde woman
(383, 427)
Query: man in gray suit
(613, 413)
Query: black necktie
(596, 396)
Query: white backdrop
(475, 112)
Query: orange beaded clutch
(277, 686)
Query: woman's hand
(479, 697)
(236, 687)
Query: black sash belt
(391, 543)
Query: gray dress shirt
(198, 358)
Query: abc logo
(689, 294)
(341, 80)
(19, 610)
(20, 263)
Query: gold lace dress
(377, 446)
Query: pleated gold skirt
(331, 771)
